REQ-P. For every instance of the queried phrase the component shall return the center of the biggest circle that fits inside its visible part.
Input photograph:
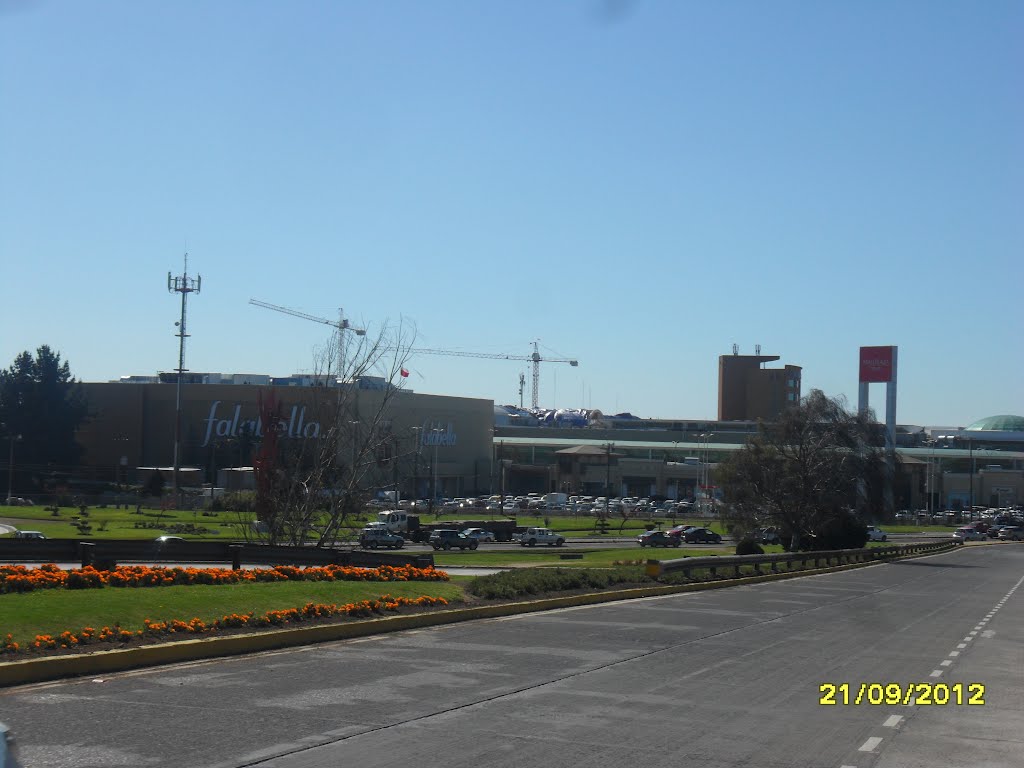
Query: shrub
(749, 547)
(841, 532)
(535, 581)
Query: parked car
(446, 538)
(480, 535)
(876, 534)
(28, 535)
(380, 538)
(701, 536)
(1012, 533)
(993, 532)
(967, 533)
(657, 539)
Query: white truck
(531, 537)
(556, 501)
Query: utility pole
(183, 285)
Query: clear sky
(638, 185)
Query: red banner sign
(876, 364)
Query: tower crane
(340, 325)
(535, 358)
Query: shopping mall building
(469, 447)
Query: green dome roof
(1003, 423)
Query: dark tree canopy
(816, 473)
(41, 402)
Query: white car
(875, 533)
(479, 534)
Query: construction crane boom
(534, 358)
(341, 324)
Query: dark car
(444, 538)
(701, 536)
(769, 535)
(657, 539)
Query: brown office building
(747, 391)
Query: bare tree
(312, 486)
(816, 473)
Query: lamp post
(705, 438)
(970, 498)
(433, 490)
(607, 476)
(418, 431)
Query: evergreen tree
(42, 407)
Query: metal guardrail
(686, 565)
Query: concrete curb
(118, 660)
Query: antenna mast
(183, 285)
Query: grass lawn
(52, 611)
(111, 523)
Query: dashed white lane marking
(969, 638)
(936, 673)
(945, 663)
(961, 646)
(870, 744)
(893, 721)
(954, 653)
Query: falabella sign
(434, 434)
(293, 425)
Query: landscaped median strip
(102, 662)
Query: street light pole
(970, 500)
(418, 431)
(433, 491)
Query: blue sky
(638, 185)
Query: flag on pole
(405, 374)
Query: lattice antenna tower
(184, 285)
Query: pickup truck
(531, 537)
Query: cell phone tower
(184, 285)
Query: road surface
(726, 677)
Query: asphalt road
(721, 678)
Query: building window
(791, 396)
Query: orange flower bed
(153, 629)
(18, 578)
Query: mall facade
(453, 444)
